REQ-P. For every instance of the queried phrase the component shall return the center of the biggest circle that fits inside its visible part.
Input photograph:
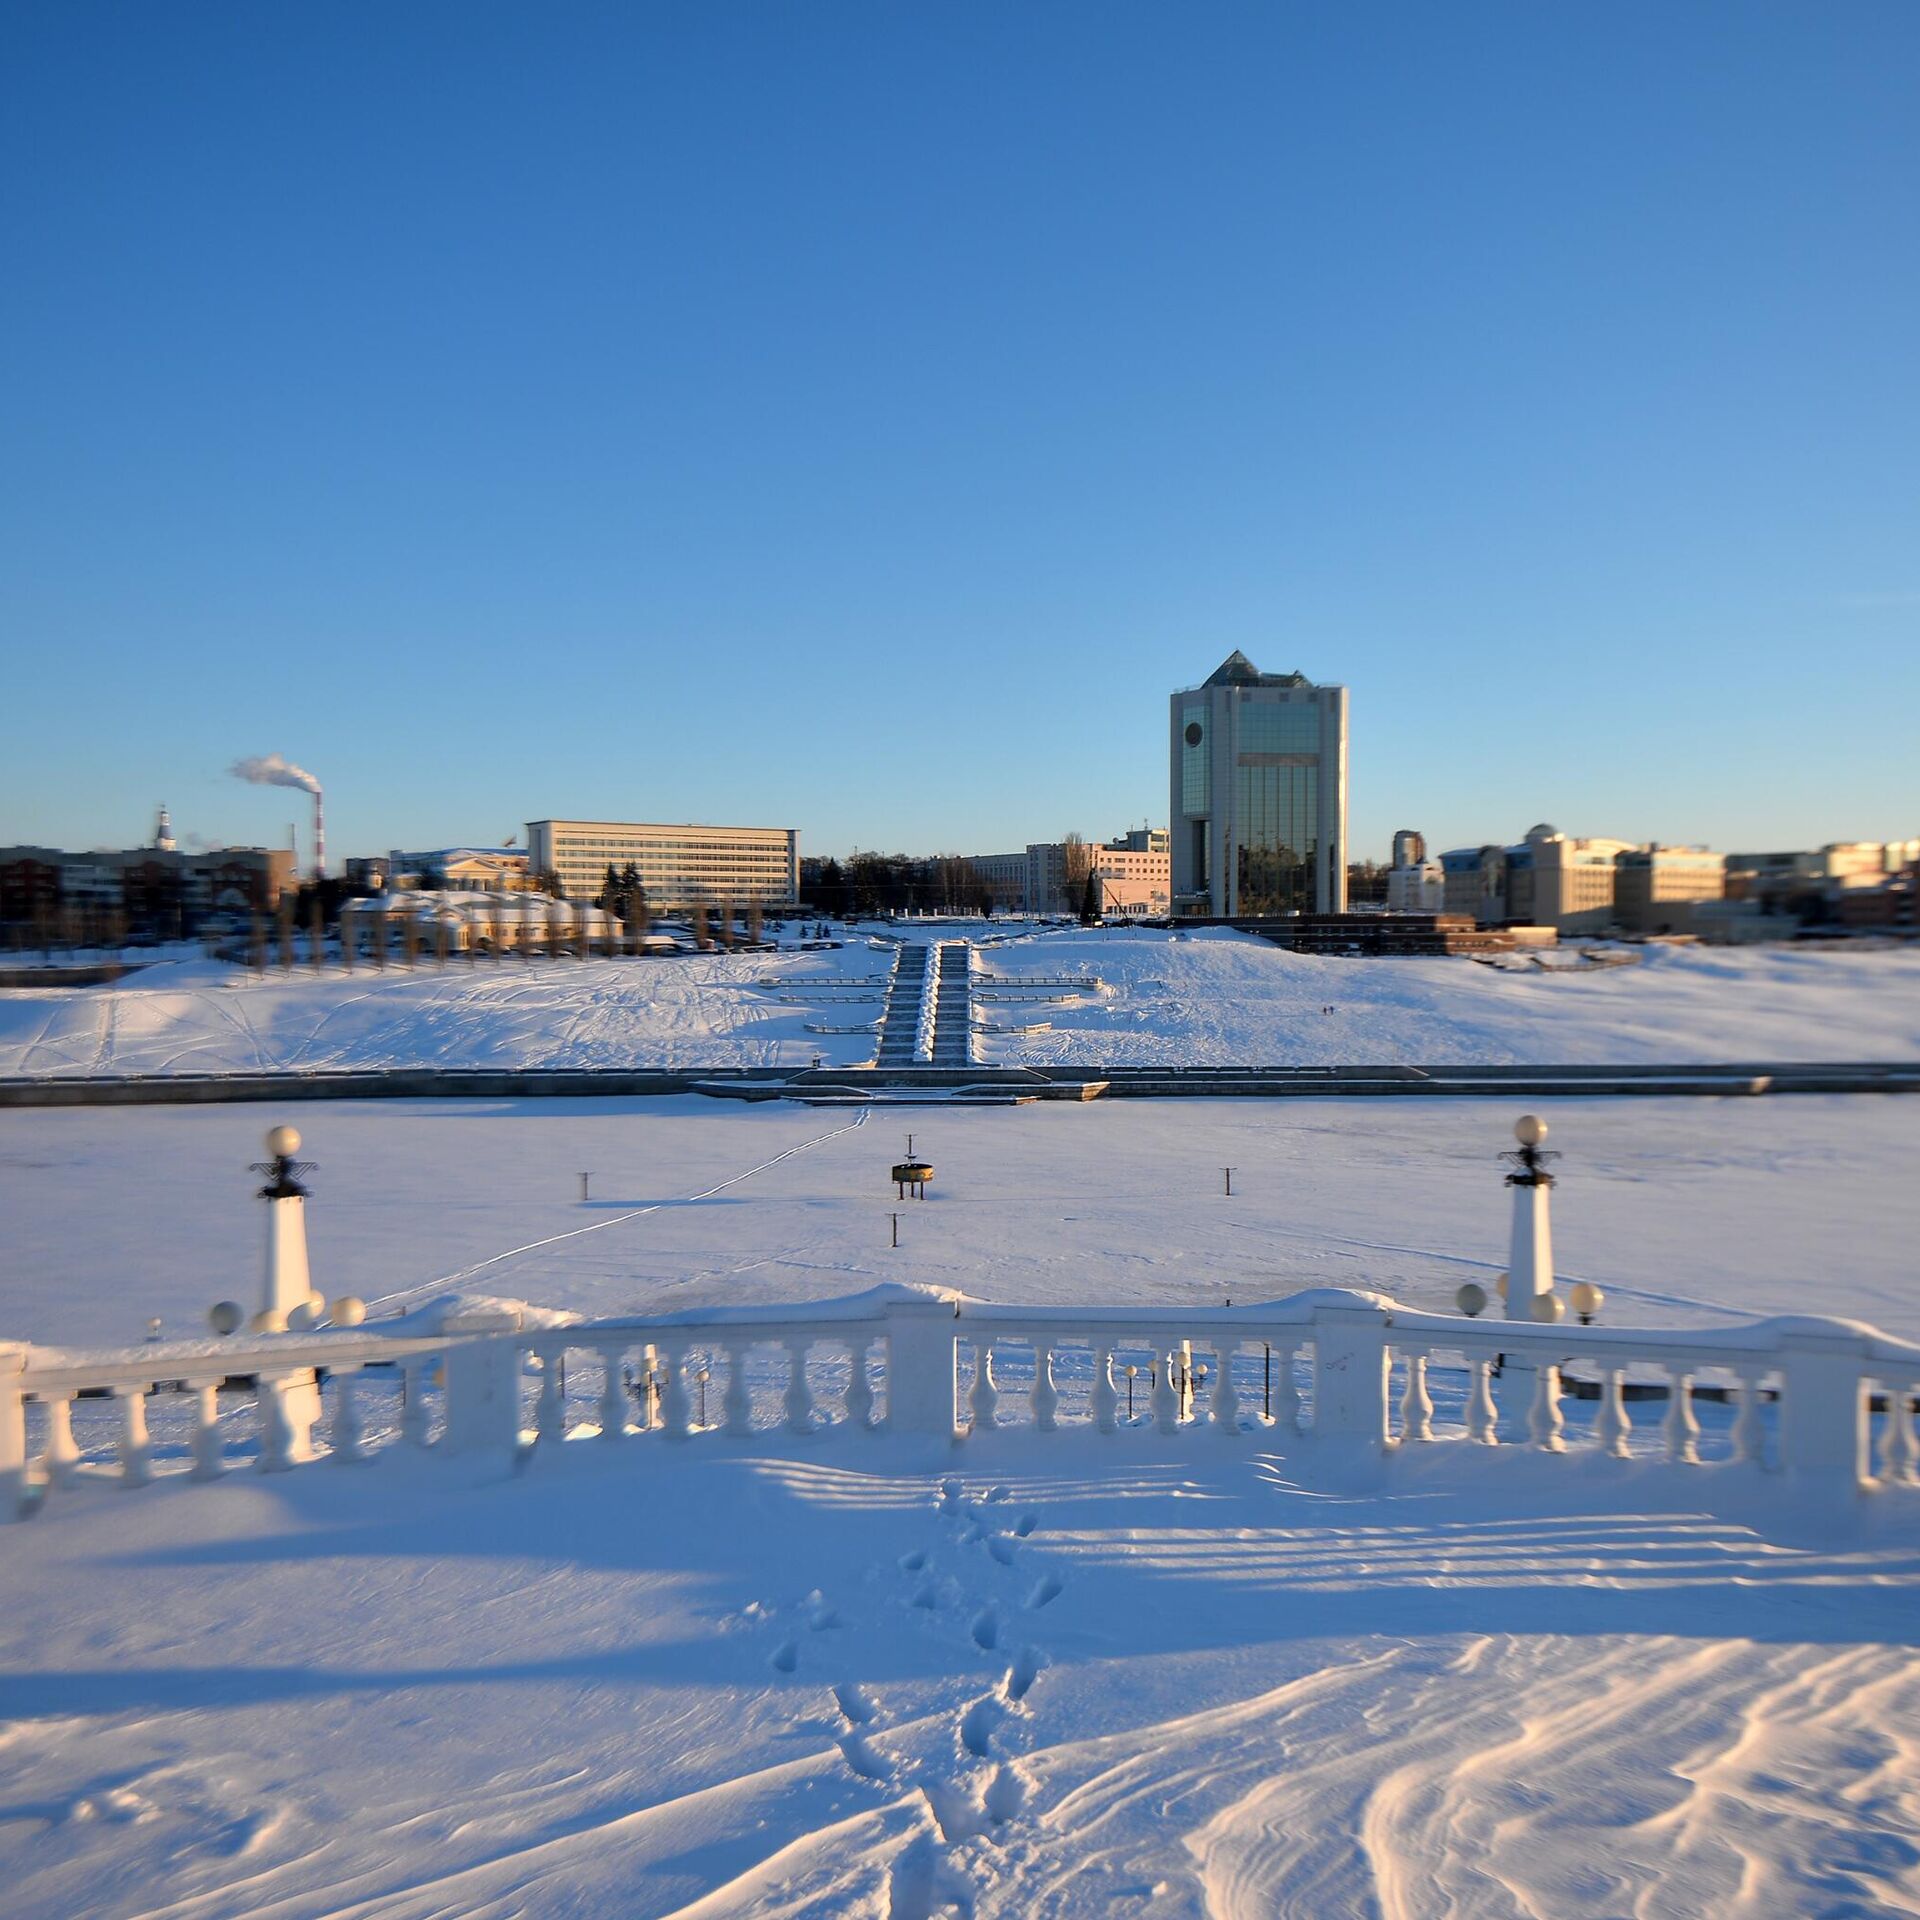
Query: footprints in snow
(977, 1789)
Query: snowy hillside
(1217, 998)
(1200, 999)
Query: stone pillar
(483, 1381)
(921, 1376)
(1823, 1425)
(1530, 1254)
(1350, 1375)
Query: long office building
(680, 866)
(1259, 794)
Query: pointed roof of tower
(1236, 670)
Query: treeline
(877, 883)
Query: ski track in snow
(427, 1287)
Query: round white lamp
(1471, 1299)
(348, 1311)
(1548, 1307)
(1530, 1130)
(284, 1141)
(1587, 1300)
(225, 1316)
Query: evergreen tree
(1090, 902)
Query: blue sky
(862, 417)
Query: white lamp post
(1530, 1256)
(287, 1296)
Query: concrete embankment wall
(1151, 1083)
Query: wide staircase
(902, 1019)
(953, 1004)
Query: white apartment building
(1258, 777)
(680, 866)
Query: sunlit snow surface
(771, 1677)
(1201, 999)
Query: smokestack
(273, 770)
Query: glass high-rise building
(1259, 794)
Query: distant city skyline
(864, 423)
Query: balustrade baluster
(1416, 1403)
(799, 1392)
(1166, 1392)
(1286, 1390)
(676, 1403)
(1483, 1414)
(613, 1393)
(1106, 1401)
(1226, 1391)
(347, 1431)
(62, 1460)
(859, 1387)
(739, 1401)
(1681, 1429)
(1046, 1396)
(1748, 1435)
(414, 1411)
(209, 1457)
(276, 1431)
(1898, 1453)
(984, 1402)
(1611, 1425)
(1545, 1426)
(550, 1407)
(136, 1451)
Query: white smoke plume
(273, 770)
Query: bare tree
(1076, 862)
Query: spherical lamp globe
(284, 1141)
(225, 1316)
(303, 1318)
(1587, 1299)
(348, 1311)
(1530, 1130)
(1548, 1307)
(1471, 1299)
(268, 1320)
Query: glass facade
(1195, 783)
(1273, 726)
(1278, 836)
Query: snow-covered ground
(1141, 1677)
(1209, 998)
(685, 1010)
(1217, 998)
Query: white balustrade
(739, 1398)
(859, 1387)
(1681, 1428)
(209, 1456)
(613, 1393)
(1845, 1395)
(346, 1431)
(985, 1402)
(1899, 1455)
(1105, 1402)
(799, 1396)
(62, 1458)
(1612, 1427)
(136, 1451)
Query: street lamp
(1587, 1301)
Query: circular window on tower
(1193, 733)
